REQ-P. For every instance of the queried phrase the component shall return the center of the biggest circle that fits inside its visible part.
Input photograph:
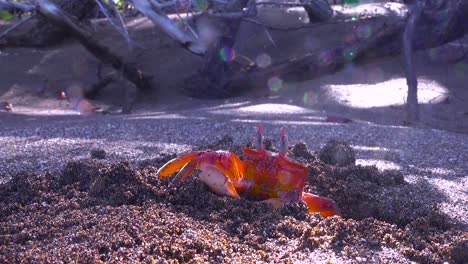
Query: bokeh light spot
(200, 5)
(351, 2)
(84, 107)
(349, 54)
(364, 31)
(461, 69)
(275, 84)
(308, 98)
(263, 60)
(227, 54)
(326, 57)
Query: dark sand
(93, 211)
(100, 210)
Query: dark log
(385, 42)
(85, 36)
(317, 10)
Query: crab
(262, 175)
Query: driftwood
(428, 24)
(160, 19)
(386, 41)
(37, 31)
(212, 77)
(84, 35)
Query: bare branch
(19, 23)
(123, 31)
(166, 25)
(164, 4)
(81, 32)
(13, 6)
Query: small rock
(98, 154)
(338, 119)
(338, 153)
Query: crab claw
(218, 169)
(175, 164)
(316, 204)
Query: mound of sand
(96, 211)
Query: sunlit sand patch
(392, 92)
(373, 9)
(439, 171)
(274, 109)
(225, 105)
(380, 164)
(455, 191)
(165, 116)
(285, 122)
(44, 112)
(356, 147)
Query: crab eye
(284, 143)
(259, 143)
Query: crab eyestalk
(259, 143)
(284, 143)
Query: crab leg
(186, 171)
(175, 164)
(316, 204)
(229, 163)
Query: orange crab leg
(175, 164)
(186, 171)
(230, 164)
(316, 204)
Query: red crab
(262, 175)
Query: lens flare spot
(349, 54)
(275, 84)
(263, 60)
(84, 107)
(364, 31)
(461, 69)
(227, 54)
(326, 57)
(308, 98)
(200, 5)
(350, 39)
(351, 2)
